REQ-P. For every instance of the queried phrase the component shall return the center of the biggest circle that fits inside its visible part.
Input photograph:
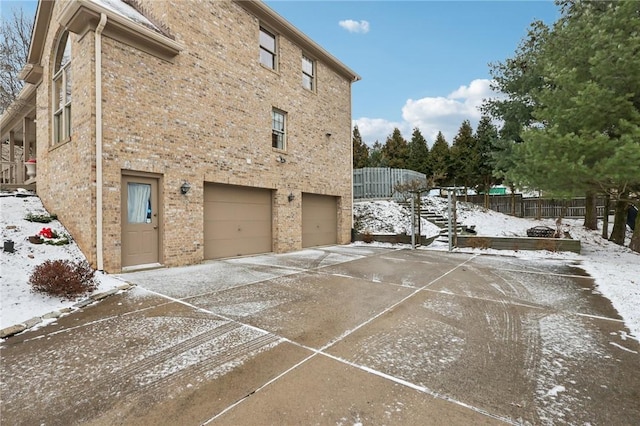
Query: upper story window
(62, 91)
(308, 73)
(267, 49)
(278, 129)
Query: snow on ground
(17, 302)
(387, 217)
(616, 269)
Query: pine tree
(486, 137)
(573, 81)
(418, 153)
(439, 158)
(464, 157)
(396, 150)
(360, 150)
(376, 159)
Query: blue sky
(423, 63)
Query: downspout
(99, 180)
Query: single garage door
(319, 220)
(237, 220)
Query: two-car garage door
(238, 220)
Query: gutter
(99, 178)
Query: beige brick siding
(205, 117)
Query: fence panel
(534, 207)
(379, 182)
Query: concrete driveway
(342, 335)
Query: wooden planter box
(520, 243)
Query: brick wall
(204, 117)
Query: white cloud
(376, 129)
(432, 114)
(355, 26)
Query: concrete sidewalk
(338, 335)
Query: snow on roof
(127, 11)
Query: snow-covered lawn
(615, 269)
(17, 302)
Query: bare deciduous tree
(15, 36)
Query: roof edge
(273, 19)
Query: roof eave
(277, 22)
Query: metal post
(449, 220)
(413, 225)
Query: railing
(380, 182)
(12, 172)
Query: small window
(62, 91)
(267, 49)
(308, 73)
(278, 129)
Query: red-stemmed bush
(63, 278)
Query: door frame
(128, 175)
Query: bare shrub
(63, 278)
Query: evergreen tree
(360, 150)
(486, 137)
(590, 105)
(439, 158)
(464, 157)
(376, 159)
(573, 81)
(396, 150)
(418, 153)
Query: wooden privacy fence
(536, 207)
(379, 182)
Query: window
(278, 129)
(62, 91)
(308, 73)
(267, 49)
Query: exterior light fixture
(281, 159)
(291, 197)
(185, 187)
(328, 134)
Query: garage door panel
(237, 221)
(239, 194)
(233, 229)
(319, 220)
(239, 212)
(237, 247)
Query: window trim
(274, 53)
(312, 76)
(61, 92)
(278, 132)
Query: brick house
(172, 132)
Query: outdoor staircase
(438, 220)
(442, 223)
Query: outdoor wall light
(281, 159)
(328, 134)
(291, 197)
(185, 187)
